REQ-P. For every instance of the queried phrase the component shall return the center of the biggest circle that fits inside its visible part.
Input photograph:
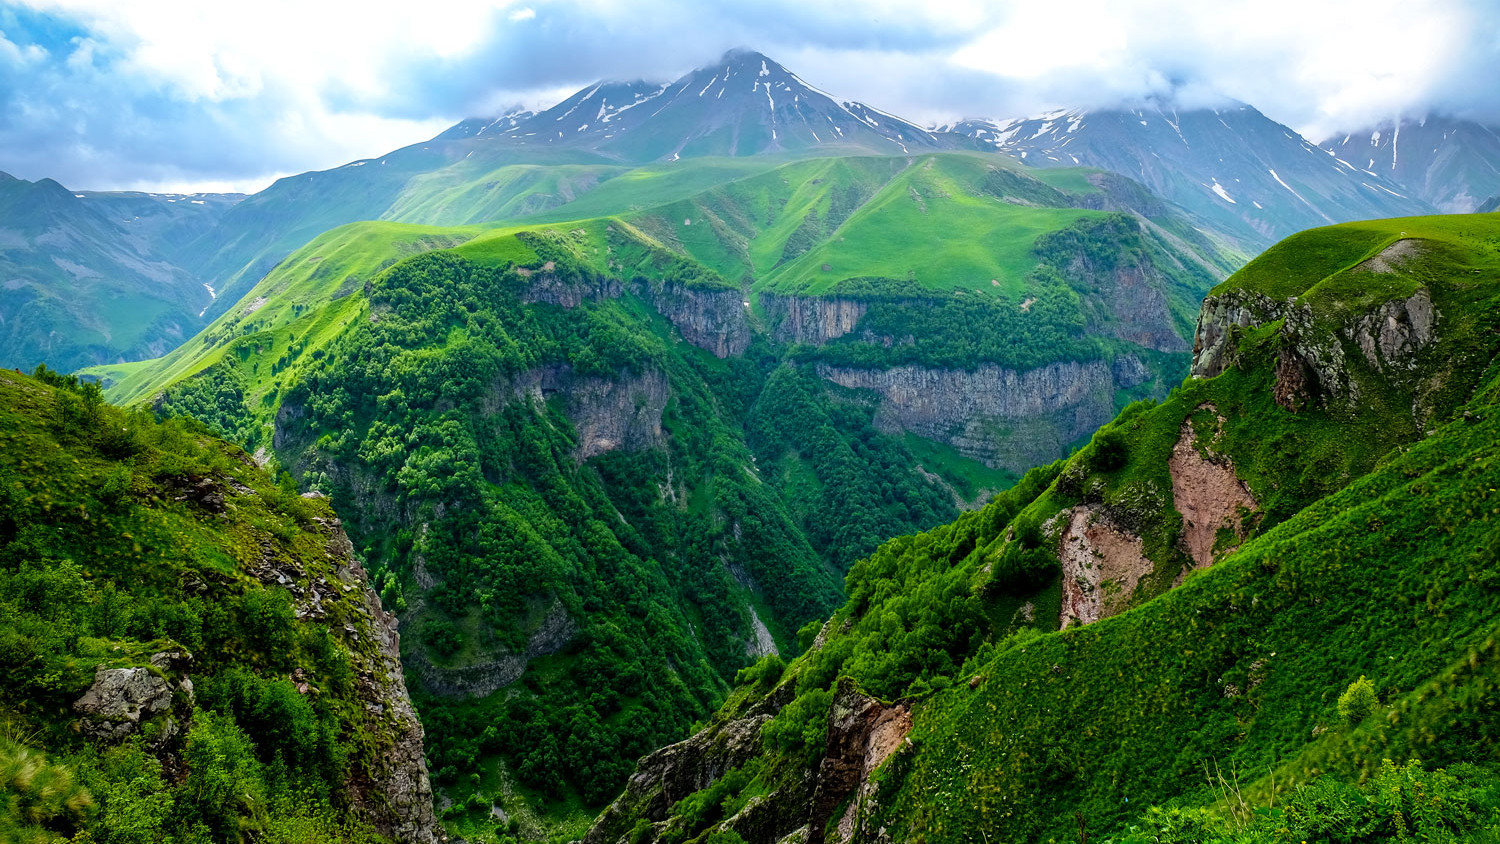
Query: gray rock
(813, 320)
(672, 773)
(713, 319)
(120, 699)
(1001, 417)
(609, 414)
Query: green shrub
(1358, 701)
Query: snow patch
(1223, 194)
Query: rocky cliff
(813, 320)
(715, 319)
(394, 793)
(1002, 417)
(830, 803)
(608, 414)
(569, 292)
(1330, 353)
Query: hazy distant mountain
(91, 277)
(746, 104)
(1453, 165)
(1239, 171)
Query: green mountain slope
(81, 287)
(555, 491)
(1334, 464)
(566, 448)
(191, 650)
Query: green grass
(973, 480)
(1372, 554)
(1319, 257)
(331, 269)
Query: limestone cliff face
(1317, 348)
(1221, 320)
(556, 631)
(393, 793)
(813, 320)
(713, 319)
(674, 772)
(547, 287)
(1126, 301)
(1003, 417)
(610, 414)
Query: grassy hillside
(554, 491)
(307, 287)
(244, 652)
(1232, 707)
(948, 221)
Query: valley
(718, 461)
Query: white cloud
(177, 90)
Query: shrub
(1358, 701)
(1109, 450)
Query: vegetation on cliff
(190, 655)
(1364, 555)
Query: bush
(1358, 701)
(763, 673)
(1109, 450)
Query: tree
(1358, 701)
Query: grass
(973, 481)
(1324, 256)
(1373, 556)
(332, 267)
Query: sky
(228, 95)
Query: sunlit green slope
(1335, 464)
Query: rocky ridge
(1001, 417)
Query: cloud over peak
(180, 93)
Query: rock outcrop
(549, 288)
(1221, 322)
(863, 734)
(1101, 566)
(556, 631)
(1002, 417)
(609, 414)
(1210, 497)
(123, 699)
(1315, 347)
(672, 773)
(715, 319)
(813, 320)
(393, 792)
(1126, 301)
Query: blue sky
(229, 95)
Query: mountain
(168, 222)
(747, 104)
(95, 277)
(1451, 164)
(1236, 170)
(1261, 609)
(192, 650)
(487, 169)
(569, 448)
